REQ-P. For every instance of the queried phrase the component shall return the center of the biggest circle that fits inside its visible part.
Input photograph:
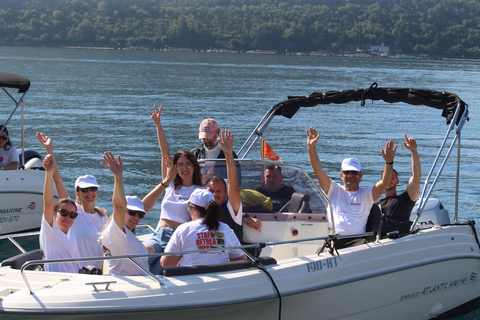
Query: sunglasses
(65, 213)
(350, 172)
(85, 190)
(141, 214)
(183, 166)
(4, 137)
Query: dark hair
(197, 171)
(216, 178)
(211, 214)
(64, 200)
(9, 143)
(274, 167)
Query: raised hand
(114, 165)
(410, 143)
(45, 141)
(226, 141)
(312, 137)
(49, 163)
(155, 116)
(389, 153)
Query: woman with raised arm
(118, 236)
(205, 231)
(56, 224)
(8, 153)
(91, 219)
(175, 200)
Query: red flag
(267, 152)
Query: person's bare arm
(388, 155)
(152, 197)
(162, 139)
(49, 165)
(323, 179)
(47, 143)
(413, 187)
(118, 199)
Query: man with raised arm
(399, 207)
(351, 203)
(229, 197)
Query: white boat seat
(215, 268)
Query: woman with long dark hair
(205, 231)
(175, 201)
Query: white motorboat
(299, 272)
(21, 191)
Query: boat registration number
(322, 264)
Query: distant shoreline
(313, 53)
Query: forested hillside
(449, 28)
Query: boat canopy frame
(453, 109)
(13, 81)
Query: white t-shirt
(8, 156)
(211, 154)
(119, 243)
(84, 235)
(175, 203)
(194, 235)
(56, 245)
(350, 208)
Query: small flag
(267, 152)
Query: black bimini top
(447, 102)
(10, 80)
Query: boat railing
(132, 258)
(11, 237)
(458, 121)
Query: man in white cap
(351, 203)
(210, 149)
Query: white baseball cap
(201, 197)
(135, 204)
(86, 181)
(351, 164)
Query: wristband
(389, 163)
(161, 182)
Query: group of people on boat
(191, 213)
(198, 211)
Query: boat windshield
(251, 176)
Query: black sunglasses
(350, 172)
(93, 189)
(4, 137)
(141, 214)
(65, 213)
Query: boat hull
(416, 277)
(21, 200)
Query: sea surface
(91, 101)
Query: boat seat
(298, 204)
(374, 223)
(16, 262)
(215, 268)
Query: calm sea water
(90, 101)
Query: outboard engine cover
(433, 214)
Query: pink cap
(207, 129)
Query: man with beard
(210, 149)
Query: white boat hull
(21, 200)
(385, 280)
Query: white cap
(135, 204)
(86, 181)
(201, 197)
(351, 164)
